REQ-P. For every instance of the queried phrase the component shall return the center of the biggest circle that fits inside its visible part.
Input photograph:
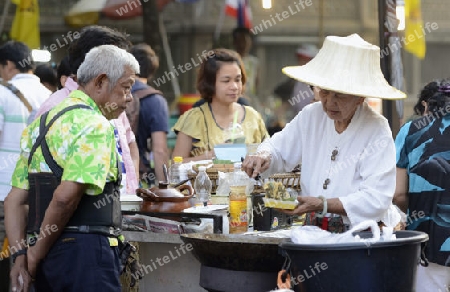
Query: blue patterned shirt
(423, 149)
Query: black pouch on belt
(125, 250)
(128, 262)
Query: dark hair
(441, 98)
(63, 70)
(147, 59)
(425, 94)
(46, 73)
(206, 78)
(243, 30)
(91, 37)
(19, 54)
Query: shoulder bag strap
(40, 141)
(19, 94)
(146, 92)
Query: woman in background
(421, 107)
(220, 81)
(423, 185)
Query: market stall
(171, 262)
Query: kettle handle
(146, 194)
(189, 188)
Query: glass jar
(238, 210)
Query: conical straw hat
(348, 65)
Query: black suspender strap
(40, 141)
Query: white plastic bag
(225, 180)
(392, 216)
(315, 235)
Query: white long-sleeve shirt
(363, 174)
(13, 120)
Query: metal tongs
(166, 175)
(257, 177)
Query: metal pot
(236, 252)
(165, 199)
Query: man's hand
(33, 261)
(16, 209)
(305, 205)
(20, 277)
(315, 204)
(256, 164)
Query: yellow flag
(25, 27)
(414, 32)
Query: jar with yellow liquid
(238, 210)
(239, 217)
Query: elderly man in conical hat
(345, 148)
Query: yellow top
(200, 124)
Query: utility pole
(385, 61)
(154, 34)
(150, 19)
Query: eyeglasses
(333, 158)
(325, 92)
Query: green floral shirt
(81, 141)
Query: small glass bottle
(203, 186)
(238, 201)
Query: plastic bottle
(238, 201)
(234, 134)
(176, 172)
(202, 186)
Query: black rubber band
(19, 253)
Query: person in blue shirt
(423, 185)
(152, 125)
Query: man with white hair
(68, 164)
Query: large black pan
(236, 252)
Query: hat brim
(379, 88)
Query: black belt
(103, 230)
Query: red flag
(239, 9)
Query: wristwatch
(19, 253)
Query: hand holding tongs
(257, 178)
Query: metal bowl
(236, 252)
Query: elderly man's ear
(101, 81)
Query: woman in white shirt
(345, 148)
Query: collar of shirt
(26, 76)
(70, 84)
(78, 94)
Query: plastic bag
(314, 235)
(392, 217)
(225, 180)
